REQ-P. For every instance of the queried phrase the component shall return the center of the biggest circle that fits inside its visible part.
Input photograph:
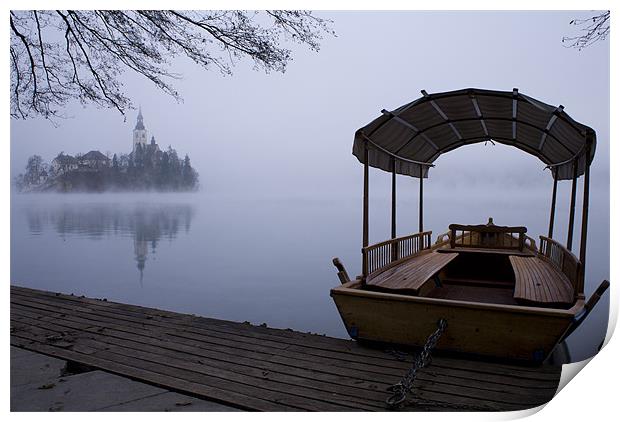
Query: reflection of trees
(145, 223)
(36, 222)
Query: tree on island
(190, 176)
(63, 55)
(36, 171)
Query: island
(145, 168)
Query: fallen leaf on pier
(47, 386)
(183, 403)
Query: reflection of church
(141, 249)
(145, 224)
(150, 227)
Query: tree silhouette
(63, 55)
(34, 169)
(190, 176)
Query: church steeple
(139, 132)
(140, 121)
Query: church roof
(65, 159)
(140, 123)
(94, 155)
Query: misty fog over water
(250, 259)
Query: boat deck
(519, 277)
(258, 368)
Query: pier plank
(319, 343)
(258, 368)
(248, 376)
(494, 390)
(312, 341)
(342, 360)
(157, 379)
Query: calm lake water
(257, 260)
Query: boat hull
(500, 331)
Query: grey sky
(291, 134)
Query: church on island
(145, 167)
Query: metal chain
(399, 391)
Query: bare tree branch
(594, 29)
(62, 56)
(94, 73)
(17, 112)
(42, 51)
(33, 72)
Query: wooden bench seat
(538, 281)
(412, 274)
(506, 251)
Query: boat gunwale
(348, 289)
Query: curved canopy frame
(410, 138)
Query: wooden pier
(255, 367)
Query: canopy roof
(414, 135)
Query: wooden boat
(501, 295)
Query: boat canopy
(411, 137)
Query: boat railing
(442, 240)
(563, 260)
(383, 255)
(487, 236)
(529, 243)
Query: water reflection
(145, 224)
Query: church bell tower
(139, 132)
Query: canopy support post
(584, 215)
(365, 216)
(393, 198)
(421, 199)
(571, 220)
(394, 246)
(552, 215)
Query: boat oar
(590, 304)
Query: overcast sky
(291, 134)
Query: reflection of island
(145, 223)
